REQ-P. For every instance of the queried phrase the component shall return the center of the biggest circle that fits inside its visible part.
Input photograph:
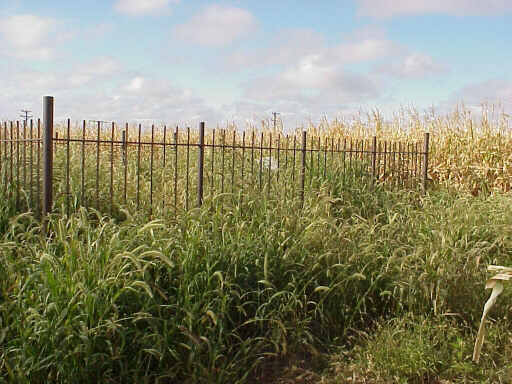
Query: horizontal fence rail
(164, 169)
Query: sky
(184, 61)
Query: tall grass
(204, 299)
(214, 295)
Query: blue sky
(183, 61)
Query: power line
(100, 121)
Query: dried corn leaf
(496, 283)
(499, 268)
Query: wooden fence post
(47, 155)
(200, 165)
(425, 162)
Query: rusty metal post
(124, 145)
(151, 159)
(188, 169)
(303, 168)
(176, 139)
(1, 160)
(125, 160)
(38, 172)
(17, 164)
(98, 166)
(425, 161)
(11, 153)
(200, 165)
(374, 158)
(47, 155)
(68, 174)
(25, 155)
(84, 199)
(112, 137)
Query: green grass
(224, 291)
(421, 349)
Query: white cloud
(112, 93)
(23, 87)
(413, 65)
(216, 25)
(306, 60)
(139, 7)
(312, 81)
(310, 77)
(309, 72)
(390, 8)
(98, 69)
(100, 89)
(98, 31)
(494, 91)
(143, 98)
(368, 49)
(418, 64)
(289, 46)
(135, 84)
(27, 36)
(293, 45)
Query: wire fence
(20, 163)
(161, 170)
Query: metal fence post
(425, 161)
(17, 164)
(1, 159)
(47, 154)
(124, 146)
(303, 168)
(200, 165)
(11, 153)
(374, 158)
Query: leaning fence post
(374, 158)
(47, 154)
(303, 169)
(425, 162)
(200, 165)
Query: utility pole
(275, 119)
(26, 114)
